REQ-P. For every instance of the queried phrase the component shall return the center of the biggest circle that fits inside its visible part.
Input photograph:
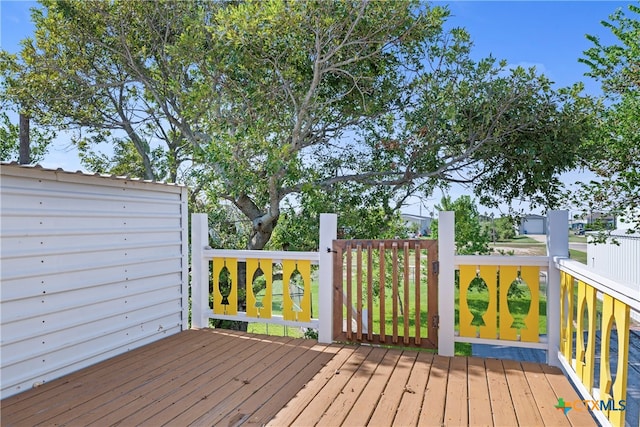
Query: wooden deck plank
(499, 394)
(214, 377)
(456, 412)
(344, 402)
(523, 401)
(387, 406)
(479, 400)
(180, 380)
(292, 410)
(259, 378)
(290, 389)
(544, 395)
(96, 380)
(408, 412)
(209, 390)
(314, 410)
(562, 388)
(20, 402)
(368, 400)
(433, 406)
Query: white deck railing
(571, 292)
(220, 268)
(577, 298)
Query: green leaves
(356, 104)
(613, 149)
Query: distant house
(423, 223)
(593, 220)
(577, 223)
(533, 224)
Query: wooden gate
(386, 292)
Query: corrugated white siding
(91, 267)
(619, 261)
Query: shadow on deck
(215, 377)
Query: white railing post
(199, 271)
(328, 233)
(557, 245)
(446, 283)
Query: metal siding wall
(621, 261)
(91, 267)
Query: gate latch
(435, 321)
(436, 267)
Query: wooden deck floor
(213, 377)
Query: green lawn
(578, 256)
(520, 239)
(276, 309)
(477, 301)
(577, 239)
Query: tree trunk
(25, 145)
(259, 238)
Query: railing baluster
(394, 252)
(508, 273)
(338, 297)
(567, 315)
(432, 293)
(349, 302)
(381, 292)
(369, 292)
(580, 363)
(467, 274)
(531, 276)
(359, 291)
(416, 271)
(405, 294)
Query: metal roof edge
(15, 164)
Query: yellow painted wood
(467, 274)
(507, 275)
(288, 312)
(580, 326)
(566, 315)
(490, 328)
(266, 266)
(590, 356)
(605, 350)
(621, 313)
(531, 276)
(232, 265)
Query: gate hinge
(435, 321)
(436, 267)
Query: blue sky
(547, 34)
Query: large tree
(613, 151)
(471, 238)
(269, 100)
(39, 140)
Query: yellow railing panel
(507, 275)
(622, 314)
(580, 327)
(531, 276)
(264, 310)
(288, 310)
(467, 274)
(490, 318)
(614, 312)
(585, 351)
(608, 318)
(566, 315)
(590, 357)
(225, 304)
